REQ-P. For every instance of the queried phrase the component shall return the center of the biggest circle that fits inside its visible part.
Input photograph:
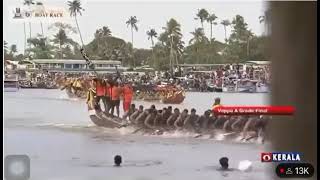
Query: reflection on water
(63, 144)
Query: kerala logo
(17, 13)
(38, 12)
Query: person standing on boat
(100, 88)
(108, 96)
(91, 99)
(133, 116)
(127, 98)
(115, 98)
(218, 120)
(217, 103)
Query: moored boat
(11, 83)
(175, 99)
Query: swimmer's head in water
(224, 162)
(117, 160)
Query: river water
(62, 143)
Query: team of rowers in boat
(109, 90)
(158, 121)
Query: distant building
(70, 65)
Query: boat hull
(217, 89)
(178, 99)
(9, 89)
(100, 119)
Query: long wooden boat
(99, 118)
(176, 99)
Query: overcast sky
(153, 14)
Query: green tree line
(167, 46)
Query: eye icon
(265, 157)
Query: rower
(190, 123)
(179, 121)
(166, 113)
(150, 119)
(136, 113)
(132, 109)
(159, 121)
(248, 129)
(173, 117)
(203, 120)
(141, 118)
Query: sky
(151, 14)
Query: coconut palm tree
(25, 38)
(29, 3)
(266, 20)
(40, 4)
(202, 15)
(225, 23)
(211, 20)
(62, 39)
(152, 34)
(132, 22)
(76, 9)
(41, 48)
(66, 27)
(173, 32)
(249, 37)
(106, 31)
(101, 33)
(198, 36)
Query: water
(62, 143)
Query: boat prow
(100, 119)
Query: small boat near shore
(246, 86)
(177, 98)
(11, 83)
(28, 84)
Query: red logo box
(266, 157)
